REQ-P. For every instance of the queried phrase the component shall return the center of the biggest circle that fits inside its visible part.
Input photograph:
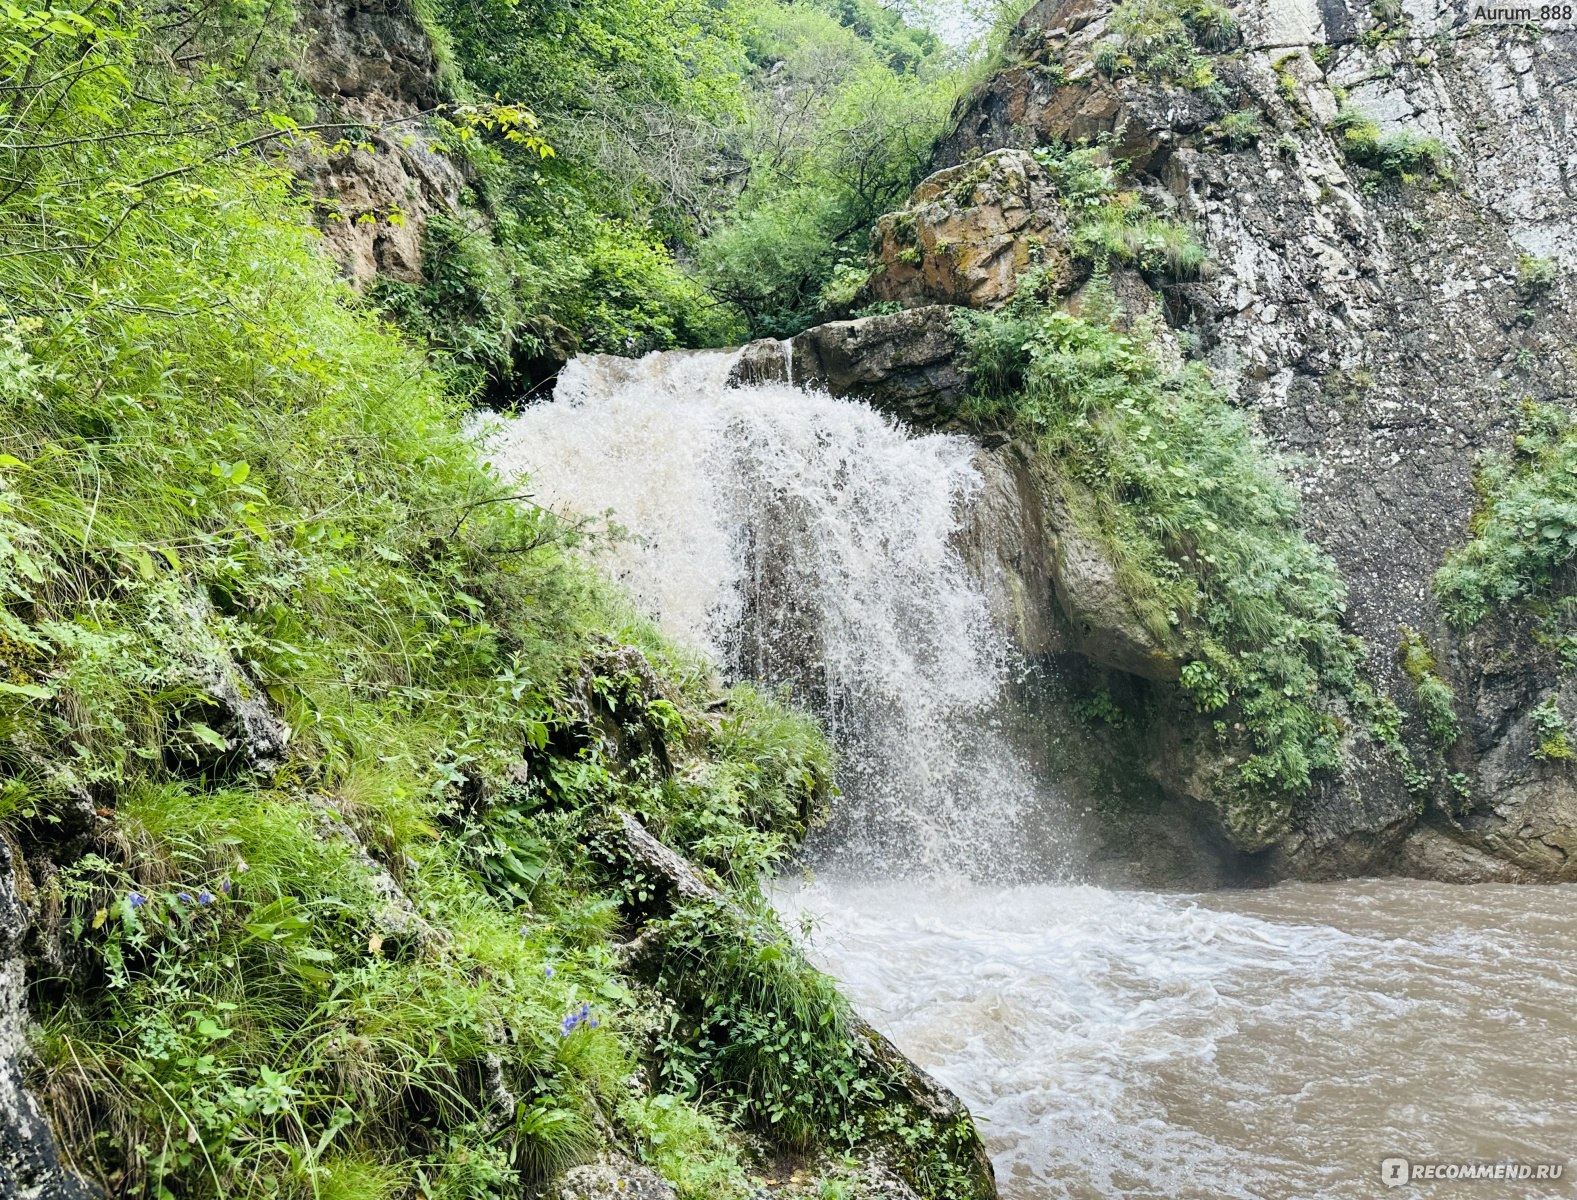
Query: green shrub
(1111, 225)
(1164, 37)
(1203, 532)
(759, 1031)
(1536, 275)
(1550, 727)
(1403, 155)
(688, 1146)
(1240, 129)
(1524, 535)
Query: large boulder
(970, 232)
(907, 364)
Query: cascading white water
(1260, 1045)
(807, 542)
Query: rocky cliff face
(373, 67)
(1383, 334)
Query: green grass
(1240, 129)
(1402, 155)
(224, 480)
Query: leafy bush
(759, 1031)
(1524, 535)
(836, 136)
(1550, 727)
(1111, 225)
(753, 142)
(1203, 532)
(1536, 275)
(1164, 38)
(1240, 129)
(690, 1147)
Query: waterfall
(808, 543)
(1112, 1042)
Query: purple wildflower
(185, 897)
(205, 897)
(548, 971)
(576, 1019)
(225, 887)
(136, 899)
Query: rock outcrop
(612, 1177)
(970, 233)
(675, 881)
(1382, 332)
(373, 68)
(30, 1163)
(906, 363)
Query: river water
(1260, 1044)
(1264, 1044)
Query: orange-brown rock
(970, 232)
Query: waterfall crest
(808, 543)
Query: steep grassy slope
(316, 742)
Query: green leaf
(36, 691)
(208, 735)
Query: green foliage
(367, 954)
(752, 142)
(1404, 155)
(1536, 275)
(1436, 700)
(1203, 533)
(1109, 224)
(688, 1146)
(1550, 727)
(1098, 707)
(1164, 39)
(1524, 535)
(836, 134)
(758, 1030)
(1240, 129)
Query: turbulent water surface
(1258, 1044)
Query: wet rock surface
(612, 1178)
(1377, 330)
(905, 363)
(30, 1163)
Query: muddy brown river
(1259, 1044)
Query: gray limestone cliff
(1384, 337)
